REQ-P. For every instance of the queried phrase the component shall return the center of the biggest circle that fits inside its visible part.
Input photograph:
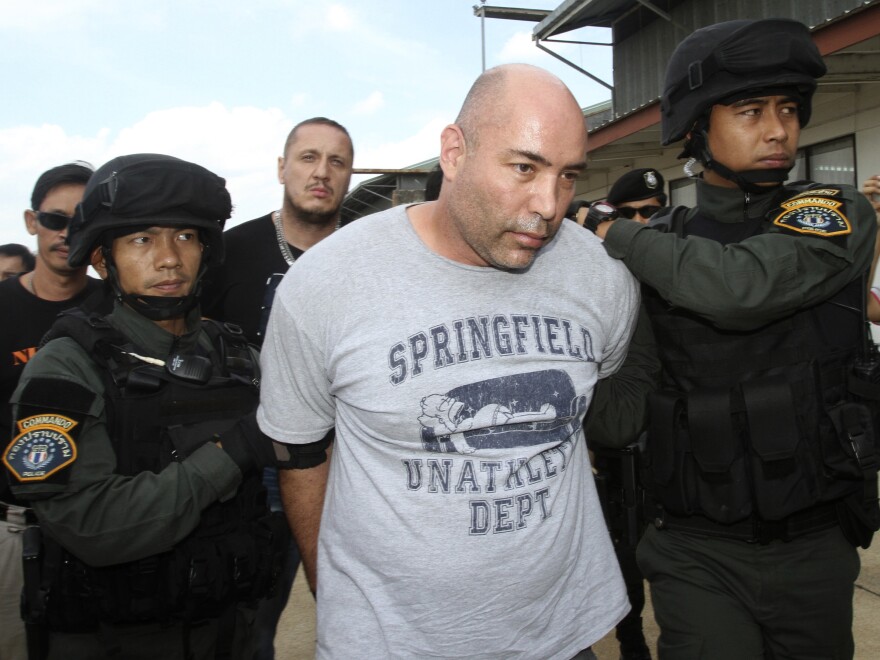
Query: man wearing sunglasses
(34, 299)
(638, 194)
(29, 304)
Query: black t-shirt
(25, 319)
(241, 290)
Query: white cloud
(519, 48)
(369, 105)
(340, 18)
(233, 139)
(422, 145)
(240, 144)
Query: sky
(222, 82)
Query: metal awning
(574, 14)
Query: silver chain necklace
(283, 245)
(282, 242)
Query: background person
(30, 303)
(15, 259)
(455, 354)
(638, 194)
(37, 297)
(315, 171)
(756, 307)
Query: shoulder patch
(44, 445)
(814, 212)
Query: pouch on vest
(783, 467)
(719, 459)
(697, 459)
(856, 454)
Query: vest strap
(665, 410)
(755, 530)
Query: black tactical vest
(234, 555)
(760, 424)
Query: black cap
(130, 192)
(636, 185)
(737, 57)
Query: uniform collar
(150, 337)
(732, 204)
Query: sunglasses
(630, 212)
(53, 221)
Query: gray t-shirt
(461, 517)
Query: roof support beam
(575, 66)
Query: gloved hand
(248, 446)
(600, 212)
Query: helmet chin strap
(154, 308)
(747, 180)
(160, 308)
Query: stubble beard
(488, 240)
(311, 217)
(529, 224)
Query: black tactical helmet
(720, 61)
(152, 190)
(130, 193)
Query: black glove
(600, 212)
(248, 446)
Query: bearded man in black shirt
(315, 171)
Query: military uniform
(755, 301)
(136, 439)
(128, 531)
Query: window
(827, 162)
